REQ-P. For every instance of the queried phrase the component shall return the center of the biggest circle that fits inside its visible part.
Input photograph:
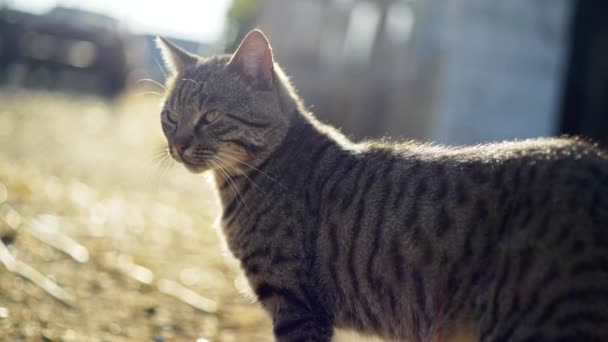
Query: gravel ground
(100, 240)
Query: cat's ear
(253, 60)
(176, 58)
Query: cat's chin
(195, 168)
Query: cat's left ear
(176, 58)
(253, 60)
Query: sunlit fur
(202, 85)
(406, 241)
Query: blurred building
(363, 65)
(462, 71)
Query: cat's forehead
(209, 82)
(206, 68)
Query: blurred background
(103, 239)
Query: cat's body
(412, 241)
(500, 242)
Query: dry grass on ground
(124, 244)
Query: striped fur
(498, 242)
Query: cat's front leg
(293, 322)
(294, 316)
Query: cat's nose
(180, 148)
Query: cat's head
(224, 113)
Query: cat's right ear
(253, 60)
(176, 58)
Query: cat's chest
(236, 239)
(256, 221)
(253, 234)
(268, 240)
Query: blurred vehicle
(65, 49)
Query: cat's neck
(297, 149)
(303, 139)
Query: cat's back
(536, 150)
(473, 230)
(516, 167)
(518, 190)
(436, 187)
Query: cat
(403, 241)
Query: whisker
(252, 167)
(151, 81)
(224, 177)
(165, 165)
(168, 161)
(230, 183)
(225, 174)
(162, 161)
(203, 153)
(160, 67)
(220, 174)
(160, 152)
(149, 92)
(204, 102)
(244, 174)
(189, 79)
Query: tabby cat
(404, 241)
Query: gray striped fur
(405, 241)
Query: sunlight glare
(195, 20)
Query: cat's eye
(171, 116)
(210, 116)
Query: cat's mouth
(195, 167)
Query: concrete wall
(502, 70)
(468, 71)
